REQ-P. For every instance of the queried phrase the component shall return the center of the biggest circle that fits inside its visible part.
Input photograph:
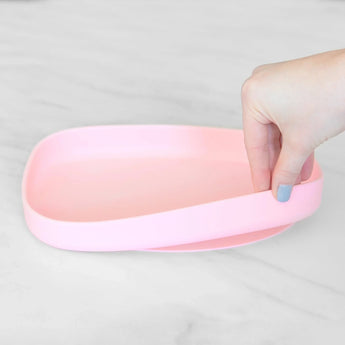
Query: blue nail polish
(284, 192)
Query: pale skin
(289, 109)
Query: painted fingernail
(284, 192)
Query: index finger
(257, 145)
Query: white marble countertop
(72, 63)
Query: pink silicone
(140, 187)
(225, 242)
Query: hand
(290, 108)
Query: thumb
(287, 171)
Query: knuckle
(264, 147)
(300, 146)
(249, 88)
(286, 173)
(258, 68)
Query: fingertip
(286, 174)
(307, 168)
(261, 179)
(284, 192)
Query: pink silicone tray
(153, 187)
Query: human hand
(290, 108)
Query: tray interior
(103, 174)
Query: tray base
(223, 243)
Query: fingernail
(284, 192)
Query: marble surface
(72, 63)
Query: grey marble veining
(73, 63)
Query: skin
(289, 109)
